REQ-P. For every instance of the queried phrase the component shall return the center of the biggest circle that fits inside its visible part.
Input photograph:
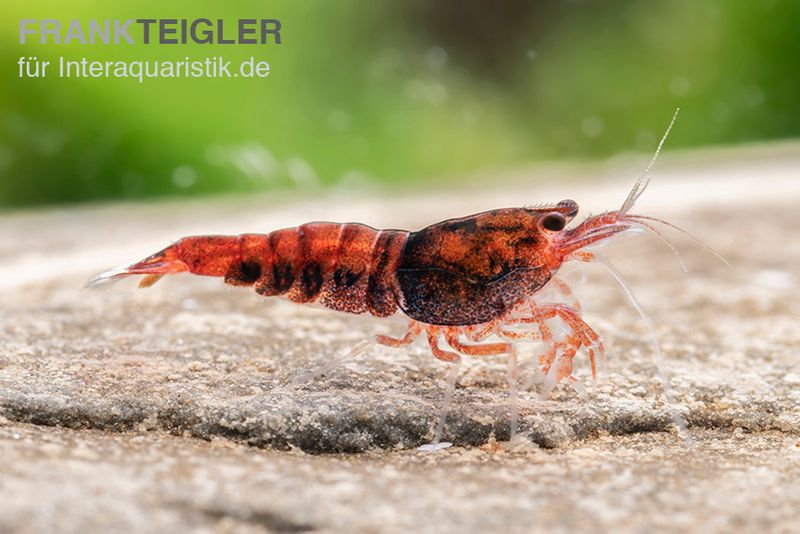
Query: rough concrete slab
(192, 358)
(61, 480)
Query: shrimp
(457, 282)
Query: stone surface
(87, 481)
(147, 371)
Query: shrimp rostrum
(459, 282)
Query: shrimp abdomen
(346, 267)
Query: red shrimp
(461, 280)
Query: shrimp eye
(555, 222)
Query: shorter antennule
(641, 183)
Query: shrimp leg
(486, 349)
(566, 292)
(452, 375)
(412, 333)
(490, 349)
(559, 353)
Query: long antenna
(658, 359)
(641, 183)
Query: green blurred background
(386, 92)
